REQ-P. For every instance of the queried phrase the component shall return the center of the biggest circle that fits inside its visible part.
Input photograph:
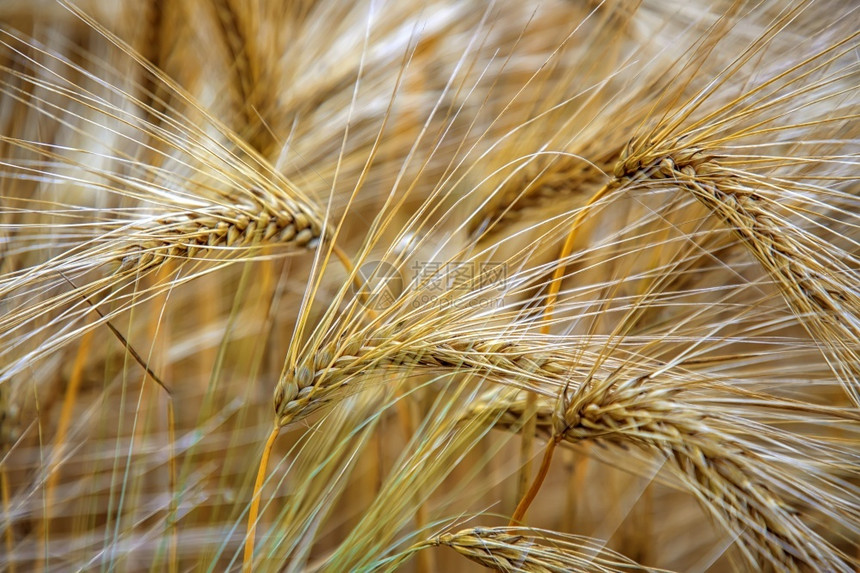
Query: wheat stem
(69, 402)
(173, 507)
(531, 399)
(254, 509)
(531, 494)
(10, 532)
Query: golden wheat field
(569, 285)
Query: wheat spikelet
(572, 151)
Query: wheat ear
(544, 179)
(187, 235)
(820, 289)
(332, 373)
(231, 203)
(728, 473)
(530, 550)
(244, 55)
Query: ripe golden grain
(671, 190)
